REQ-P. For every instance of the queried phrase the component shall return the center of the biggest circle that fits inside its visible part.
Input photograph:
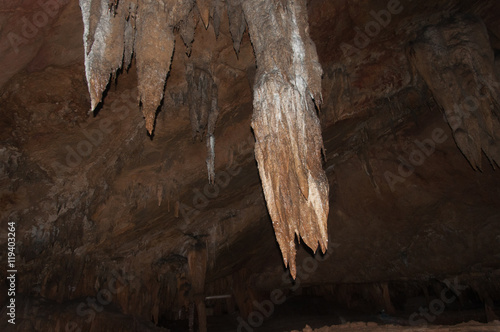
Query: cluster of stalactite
(456, 60)
(287, 92)
(116, 31)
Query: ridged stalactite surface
(287, 130)
(104, 44)
(112, 33)
(154, 46)
(457, 63)
(288, 85)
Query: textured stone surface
(96, 199)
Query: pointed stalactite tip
(150, 123)
(205, 17)
(293, 269)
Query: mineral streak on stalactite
(288, 83)
(203, 110)
(457, 63)
(287, 130)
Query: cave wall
(96, 199)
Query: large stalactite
(287, 130)
(288, 86)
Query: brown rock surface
(104, 211)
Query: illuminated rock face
(113, 32)
(287, 130)
(287, 87)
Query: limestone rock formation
(287, 89)
(106, 28)
(287, 130)
(457, 63)
(119, 230)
